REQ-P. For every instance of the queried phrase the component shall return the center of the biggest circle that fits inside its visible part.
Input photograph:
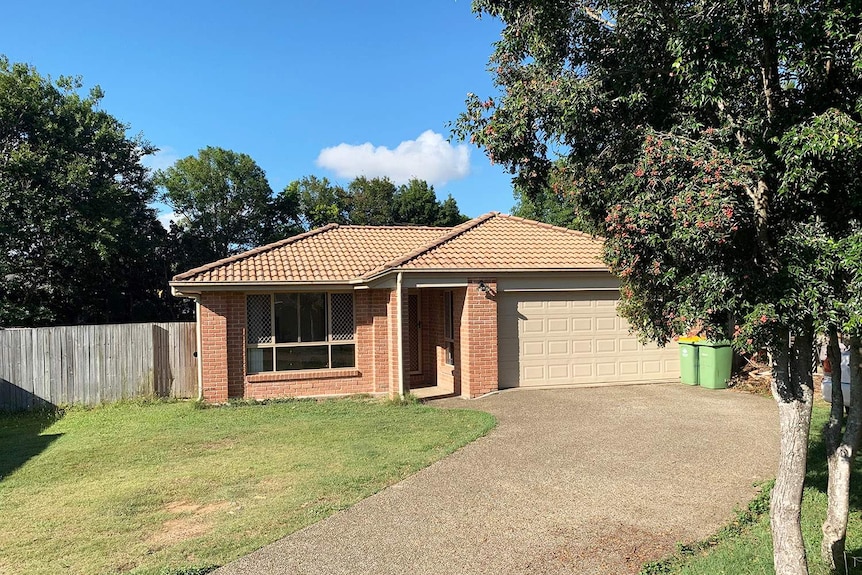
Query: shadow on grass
(22, 439)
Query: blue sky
(282, 82)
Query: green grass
(748, 549)
(152, 488)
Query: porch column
(479, 338)
(399, 377)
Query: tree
(225, 202)
(546, 206)
(416, 203)
(674, 127)
(371, 201)
(78, 242)
(320, 201)
(448, 214)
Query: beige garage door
(574, 338)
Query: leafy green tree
(685, 133)
(320, 201)
(371, 201)
(225, 202)
(416, 203)
(78, 243)
(546, 206)
(448, 214)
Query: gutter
(191, 289)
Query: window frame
(329, 342)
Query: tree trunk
(841, 451)
(793, 391)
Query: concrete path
(588, 481)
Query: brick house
(496, 302)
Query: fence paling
(93, 364)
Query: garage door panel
(628, 344)
(560, 347)
(605, 368)
(534, 325)
(571, 338)
(534, 349)
(534, 373)
(650, 367)
(629, 367)
(582, 370)
(558, 372)
(582, 347)
(606, 345)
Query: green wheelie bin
(715, 359)
(688, 359)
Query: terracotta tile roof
(499, 241)
(336, 253)
(331, 253)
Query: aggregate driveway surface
(589, 480)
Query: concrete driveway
(589, 480)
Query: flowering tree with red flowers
(714, 145)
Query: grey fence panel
(92, 364)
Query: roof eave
(189, 288)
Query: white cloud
(429, 157)
(164, 158)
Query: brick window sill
(303, 375)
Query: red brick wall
(223, 353)
(223, 347)
(380, 340)
(478, 366)
(222, 344)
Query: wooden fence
(92, 364)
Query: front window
(302, 330)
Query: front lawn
(144, 488)
(750, 552)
